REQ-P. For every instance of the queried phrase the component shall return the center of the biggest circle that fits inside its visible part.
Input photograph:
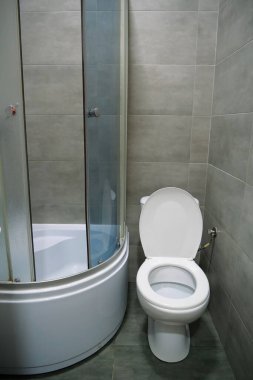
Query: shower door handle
(93, 112)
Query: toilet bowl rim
(198, 298)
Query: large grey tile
(242, 288)
(132, 213)
(50, 5)
(203, 333)
(133, 362)
(203, 91)
(197, 181)
(200, 139)
(58, 213)
(134, 236)
(207, 34)
(225, 261)
(208, 5)
(235, 26)
(219, 306)
(133, 331)
(161, 90)
(97, 367)
(163, 5)
(53, 90)
(55, 137)
(230, 143)
(249, 177)
(145, 178)
(51, 38)
(56, 182)
(159, 138)
(163, 37)
(136, 258)
(224, 196)
(233, 88)
(239, 348)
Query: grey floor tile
(139, 363)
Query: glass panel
(52, 70)
(12, 147)
(102, 38)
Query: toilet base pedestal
(170, 343)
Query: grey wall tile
(133, 213)
(219, 306)
(225, 261)
(230, 143)
(224, 196)
(55, 137)
(136, 258)
(51, 38)
(150, 32)
(233, 88)
(163, 5)
(250, 165)
(161, 90)
(197, 181)
(50, 5)
(203, 91)
(53, 90)
(59, 213)
(54, 182)
(200, 139)
(242, 288)
(244, 233)
(239, 348)
(207, 33)
(235, 26)
(145, 178)
(134, 236)
(159, 138)
(208, 5)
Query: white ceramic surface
(171, 224)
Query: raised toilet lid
(171, 224)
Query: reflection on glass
(102, 74)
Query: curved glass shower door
(102, 57)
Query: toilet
(172, 289)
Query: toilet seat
(199, 297)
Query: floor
(128, 357)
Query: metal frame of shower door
(85, 145)
(16, 185)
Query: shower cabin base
(48, 326)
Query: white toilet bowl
(171, 287)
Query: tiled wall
(229, 195)
(51, 49)
(171, 71)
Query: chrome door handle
(93, 112)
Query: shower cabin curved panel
(73, 272)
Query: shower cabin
(63, 238)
